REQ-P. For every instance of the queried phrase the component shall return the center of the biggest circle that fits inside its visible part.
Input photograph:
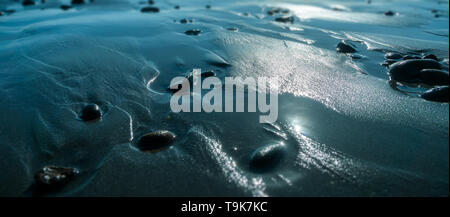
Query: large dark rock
(267, 157)
(155, 141)
(392, 56)
(438, 94)
(409, 70)
(434, 77)
(91, 112)
(344, 47)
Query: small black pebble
(289, 19)
(234, 29)
(392, 56)
(156, 141)
(65, 7)
(208, 6)
(177, 7)
(91, 112)
(51, 178)
(438, 94)
(193, 32)
(185, 20)
(343, 47)
(77, 2)
(150, 9)
(28, 2)
(150, 2)
(430, 56)
(389, 13)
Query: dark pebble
(286, 19)
(234, 29)
(149, 9)
(409, 70)
(434, 77)
(77, 2)
(151, 2)
(185, 20)
(91, 112)
(430, 56)
(193, 32)
(389, 13)
(65, 7)
(392, 56)
(51, 178)
(208, 6)
(273, 11)
(28, 2)
(267, 157)
(156, 141)
(343, 47)
(177, 7)
(438, 94)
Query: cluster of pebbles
(424, 71)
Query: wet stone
(65, 7)
(52, 178)
(151, 2)
(149, 9)
(409, 70)
(28, 2)
(91, 112)
(156, 141)
(285, 19)
(185, 20)
(193, 32)
(267, 157)
(438, 94)
(77, 2)
(392, 56)
(389, 13)
(434, 77)
(208, 6)
(234, 29)
(343, 47)
(430, 56)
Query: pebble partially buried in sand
(344, 47)
(91, 112)
(267, 157)
(51, 178)
(193, 32)
(156, 141)
(434, 77)
(438, 94)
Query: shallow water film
(362, 98)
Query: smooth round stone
(267, 157)
(65, 7)
(409, 70)
(434, 77)
(193, 32)
(150, 9)
(156, 141)
(343, 47)
(431, 57)
(438, 94)
(392, 56)
(91, 112)
(28, 2)
(389, 13)
(76, 2)
(285, 19)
